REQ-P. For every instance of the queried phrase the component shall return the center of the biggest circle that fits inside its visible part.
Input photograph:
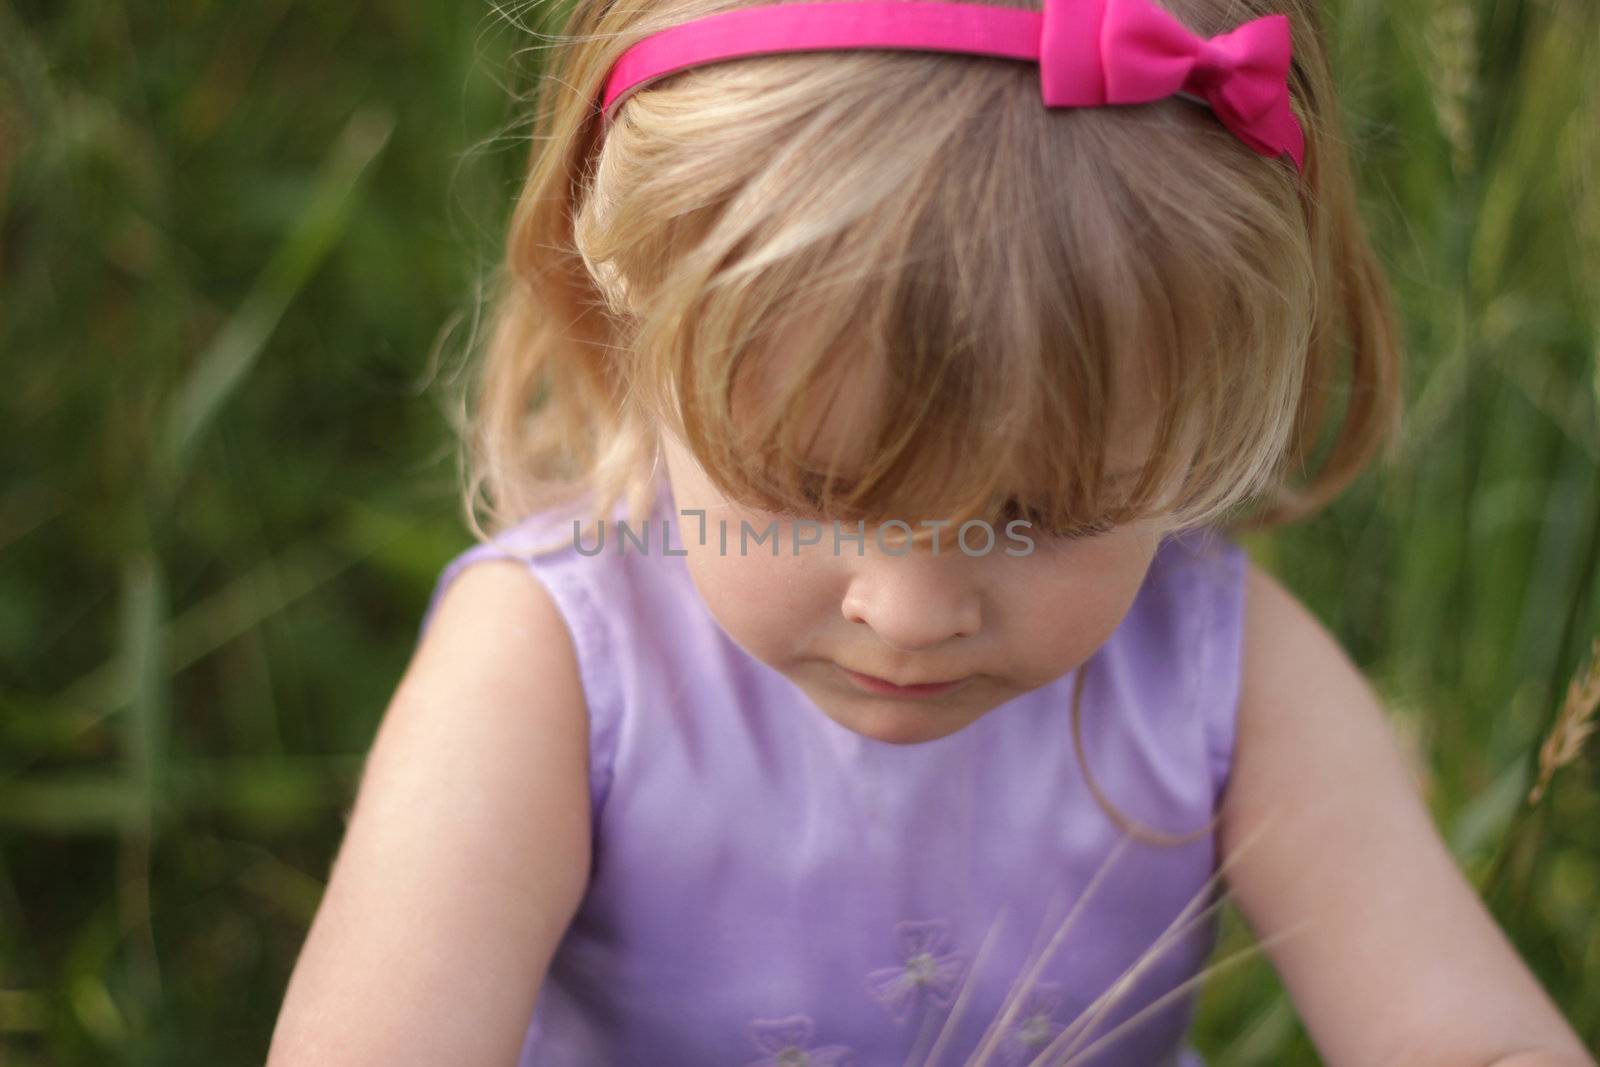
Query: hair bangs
(979, 328)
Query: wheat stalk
(1451, 38)
(1014, 999)
(1573, 725)
(1081, 1026)
(1181, 988)
(962, 997)
(1180, 925)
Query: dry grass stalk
(1450, 34)
(1065, 1048)
(1573, 725)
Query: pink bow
(1094, 52)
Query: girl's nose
(913, 602)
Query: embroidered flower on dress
(929, 973)
(1036, 1024)
(787, 1044)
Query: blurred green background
(240, 255)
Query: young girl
(920, 709)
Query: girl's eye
(813, 500)
(1015, 509)
(811, 492)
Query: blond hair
(1004, 270)
(1001, 265)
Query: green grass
(238, 242)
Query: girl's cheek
(1073, 599)
(754, 594)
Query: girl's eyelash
(1013, 509)
(812, 498)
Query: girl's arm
(467, 851)
(1395, 959)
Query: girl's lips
(882, 688)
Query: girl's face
(1005, 623)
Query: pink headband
(1090, 53)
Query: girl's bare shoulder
(468, 844)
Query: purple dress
(771, 888)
